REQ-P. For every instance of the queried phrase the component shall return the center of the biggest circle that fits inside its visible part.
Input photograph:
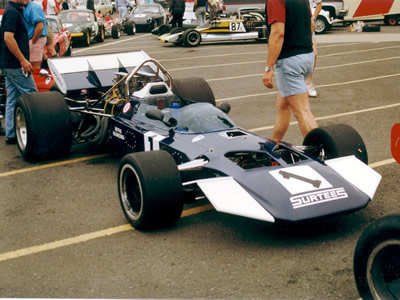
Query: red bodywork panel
(373, 7)
(395, 142)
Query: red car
(62, 37)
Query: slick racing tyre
(191, 38)
(130, 28)
(336, 141)
(150, 189)
(194, 89)
(43, 126)
(115, 32)
(377, 260)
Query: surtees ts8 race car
(186, 147)
(243, 26)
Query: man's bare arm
(12, 45)
(38, 31)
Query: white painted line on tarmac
(108, 44)
(114, 230)
(264, 52)
(317, 86)
(318, 68)
(350, 113)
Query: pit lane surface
(63, 234)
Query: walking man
(291, 57)
(122, 8)
(14, 61)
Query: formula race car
(187, 147)
(248, 25)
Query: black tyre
(163, 29)
(391, 20)
(69, 51)
(321, 25)
(86, 40)
(191, 38)
(194, 89)
(371, 28)
(336, 141)
(43, 126)
(115, 33)
(101, 35)
(57, 48)
(377, 260)
(130, 28)
(150, 189)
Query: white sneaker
(311, 90)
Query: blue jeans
(16, 85)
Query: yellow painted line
(114, 230)
(87, 237)
(51, 165)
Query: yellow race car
(245, 25)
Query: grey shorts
(292, 72)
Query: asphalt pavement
(63, 233)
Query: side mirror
(225, 107)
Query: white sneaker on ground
(311, 90)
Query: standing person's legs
(123, 11)
(174, 21)
(180, 20)
(16, 84)
(310, 87)
(291, 74)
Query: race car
(114, 26)
(248, 25)
(62, 37)
(83, 25)
(181, 146)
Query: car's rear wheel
(191, 38)
(194, 89)
(321, 25)
(391, 20)
(86, 40)
(150, 189)
(163, 29)
(57, 48)
(377, 260)
(43, 126)
(130, 28)
(115, 33)
(335, 141)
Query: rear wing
(93, 72)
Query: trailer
(387, 11)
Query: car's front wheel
(335, 141)
(321, 25)
(86, 38)
(150, 189)
(130, 28)
(377, 260)
(101, 36)
(191, 38)
(43, 126)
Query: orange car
(62, 37)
